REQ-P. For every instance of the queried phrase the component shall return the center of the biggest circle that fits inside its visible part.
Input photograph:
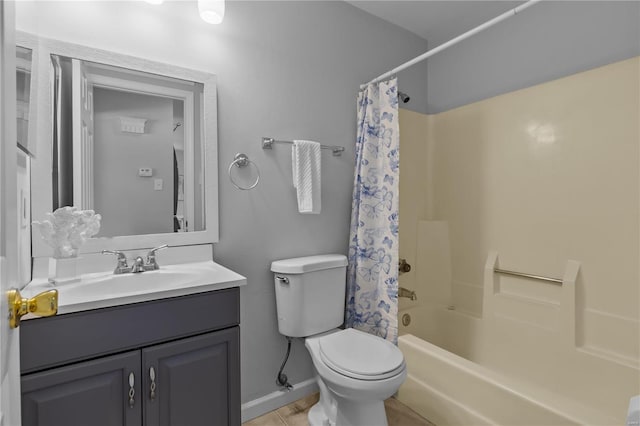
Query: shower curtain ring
(242, 160)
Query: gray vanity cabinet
(184, 354)
(87, 393)
(191, 380)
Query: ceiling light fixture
(211, 11)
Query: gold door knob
(44, 304)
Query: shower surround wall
(541, 175)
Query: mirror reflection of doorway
(144, 153)
(122, 150)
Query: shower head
(403, 97)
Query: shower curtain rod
(453, 41)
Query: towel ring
(241, 160)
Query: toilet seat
(360, 355)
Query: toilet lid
(360, 355)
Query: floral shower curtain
(372, 278)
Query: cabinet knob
(44, 304)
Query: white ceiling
(436, 21)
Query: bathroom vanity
(155, 348)
(159, 347)
(161, 361)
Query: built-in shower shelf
(529, 299)
(531, 303)
(611, 356)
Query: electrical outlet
(157, 184)
(145, 172)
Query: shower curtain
(372, 278)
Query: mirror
(23, 91)
(132, 139)
(124, 136)
(23, 169)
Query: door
(194, 381)
(102, 392)
(82, 105)
(9, 343)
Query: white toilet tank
(310, 293)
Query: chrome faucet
(410, 294)
(139, 264)
(151, 258)
(122, 266)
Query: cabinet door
(197, 381)
(92, 393)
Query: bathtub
(448, 384)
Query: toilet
(355, 371)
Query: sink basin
(104, 289)
(142, 282)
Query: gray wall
(550, 40)
(294, 71)
(286, 70)
(119, 155)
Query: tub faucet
(410, 294)
(403, 266)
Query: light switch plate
(157, 184)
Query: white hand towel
(305, 163)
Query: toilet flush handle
(283, 280)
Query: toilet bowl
(356, 373)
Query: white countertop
(104, 289)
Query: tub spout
(410, 294)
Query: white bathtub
(447, 384)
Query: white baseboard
(277, 399)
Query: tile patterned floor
(295, 414)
